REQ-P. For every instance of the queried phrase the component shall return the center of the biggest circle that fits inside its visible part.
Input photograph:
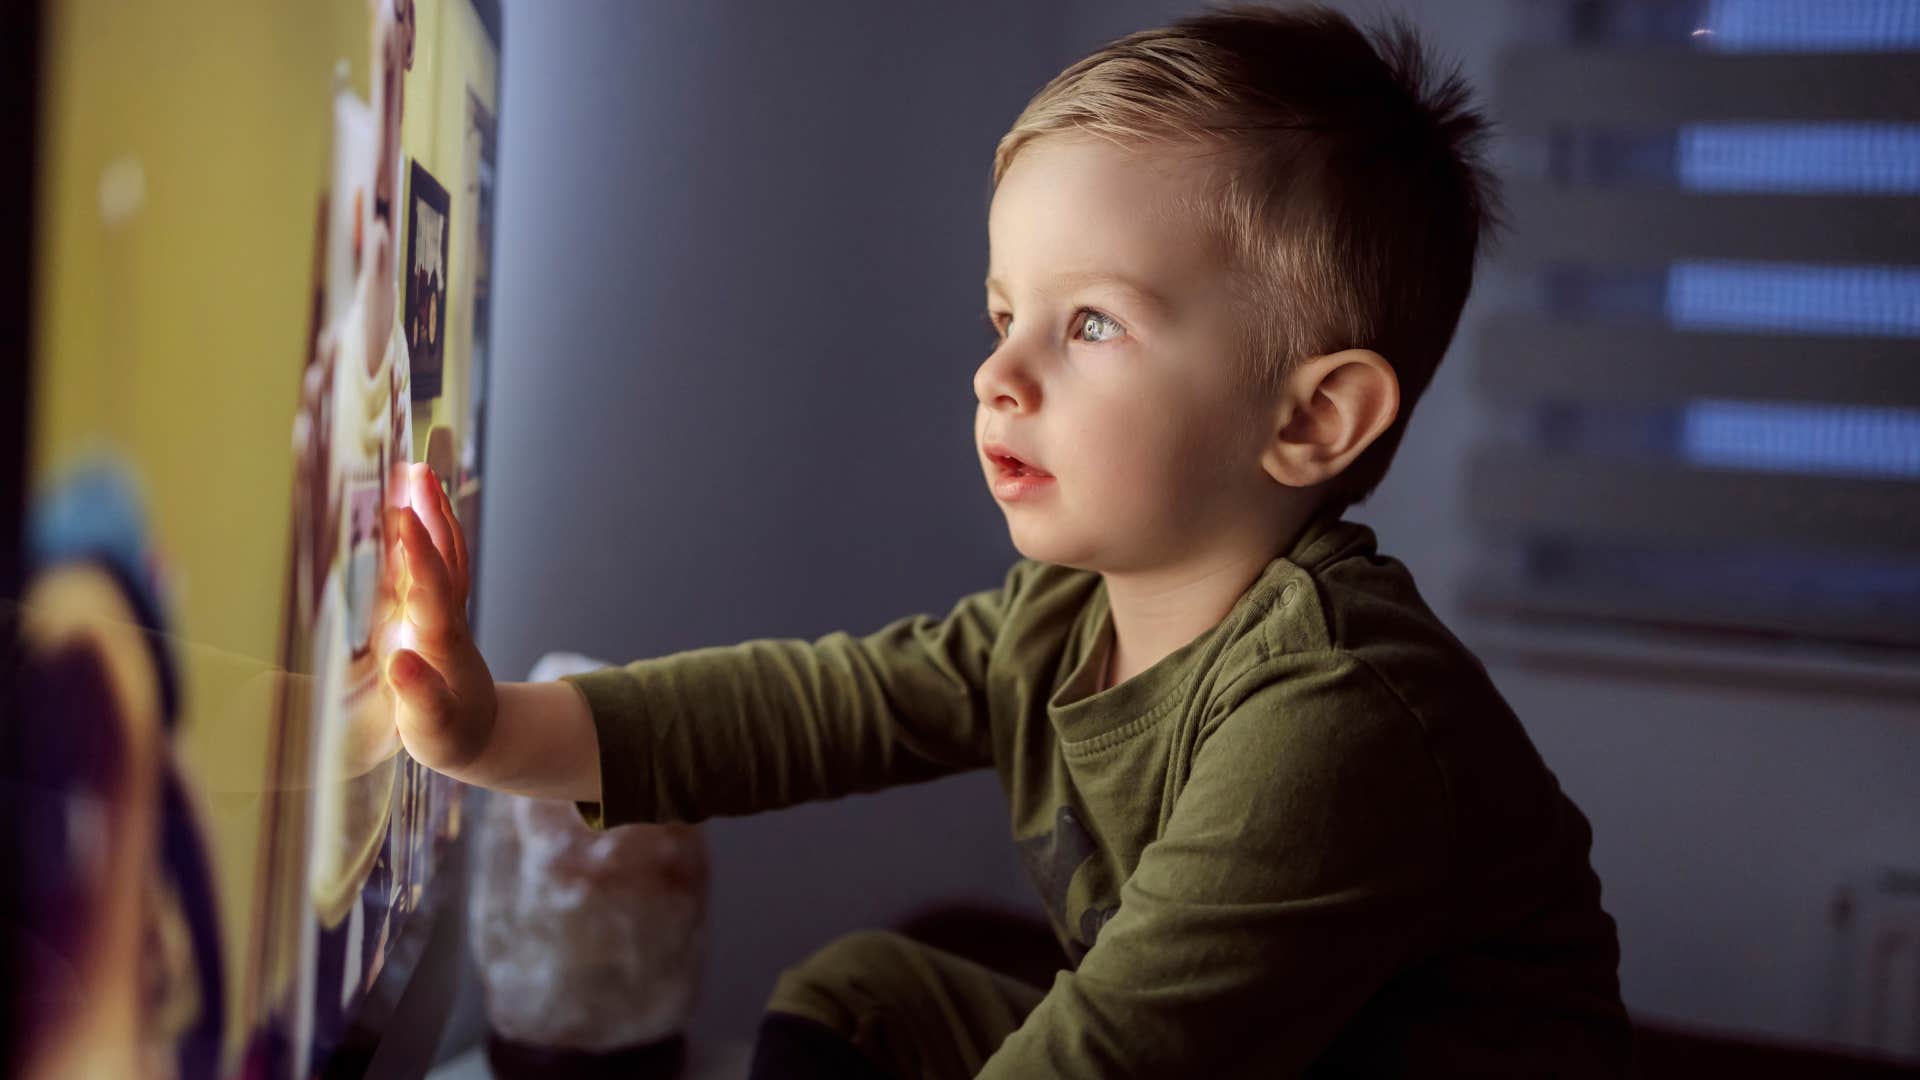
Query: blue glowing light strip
(1801, 26)
(1820, 439)
(1789, 297)
(1866, 159)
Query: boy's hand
(444, 702)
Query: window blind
(1706, 388)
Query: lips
(1010, 463)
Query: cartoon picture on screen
(125, 958)
(353, 436)
(229, 865)
(426, 312)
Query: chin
(1037, 545)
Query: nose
(1003, 382)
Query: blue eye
(1085, 317)
(1091, 315)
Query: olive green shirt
(1314, 836)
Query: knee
(862, 949)
(855, 974)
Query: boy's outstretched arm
(768, 723)
(716, 731)
(528, 738)
(542, 744)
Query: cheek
(1161, 454)
(1134, 448)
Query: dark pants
(877, 1003)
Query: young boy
(1281, 820)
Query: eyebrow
(1157, 304)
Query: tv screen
(249, 267)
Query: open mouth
(1013, 466)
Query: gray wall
(740, 248)
(740, 254)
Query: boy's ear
(1331, 409)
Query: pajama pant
(911, 1009)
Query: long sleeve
(769, 723)
(1302, 866)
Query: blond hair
(1349, 199)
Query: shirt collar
(1327, 537)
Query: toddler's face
(1123, 398)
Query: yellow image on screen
(261, 240)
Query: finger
(457, 557)
(386, 597)
(459, 545)
(425, 497)
(420, 687)
(391, 633)
(431, 612)
(423, 559)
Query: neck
(1158, 610)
